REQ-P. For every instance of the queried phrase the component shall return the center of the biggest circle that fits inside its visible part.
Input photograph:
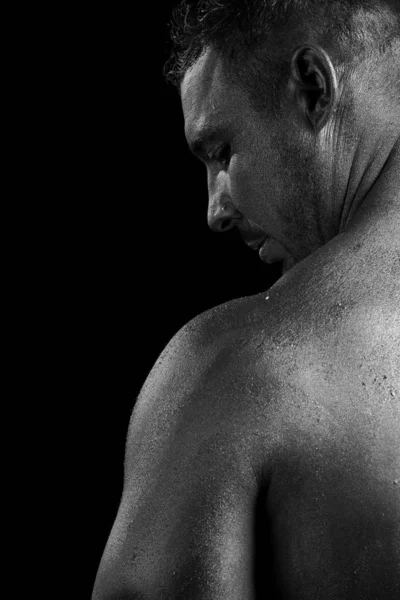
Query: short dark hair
(240, 29)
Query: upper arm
(184, 526)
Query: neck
(374, 181)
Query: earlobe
(314, 78)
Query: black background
(137, 259)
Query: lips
(269, 250)
(255, 243)
(252, 235)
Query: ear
(313, 77)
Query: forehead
(209, 98)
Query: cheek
(246, 188)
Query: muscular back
(263, 454)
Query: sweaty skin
(263, 453)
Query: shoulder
(192, 380)
(319, 336)
(264, 393)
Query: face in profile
(263, 172)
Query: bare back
(263, 456)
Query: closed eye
(222, 155)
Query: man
(263, 454)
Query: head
(278, 97)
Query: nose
(223, 215)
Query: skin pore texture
(298, 188)
(263, 453)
